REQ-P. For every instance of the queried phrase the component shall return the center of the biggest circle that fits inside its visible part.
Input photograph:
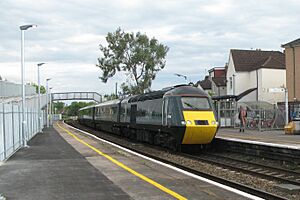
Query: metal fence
(8, 89)
(260, 115)
(11, 124)
(225, 112)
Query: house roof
(249, 60)
(219, 81)
(205, 84)
(292, 43)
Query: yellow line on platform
(159, 186)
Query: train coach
(172, 117)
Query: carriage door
(165, 110)
(133, 113)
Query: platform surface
(52, 169)
(269, 137)
(57, 166)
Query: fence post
(13, 126)
(4, 135)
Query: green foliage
(112, 96)
(72, 110)
(43, 89)
(58, 107)
(136, 55)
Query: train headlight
(188, 122)
(214, 122)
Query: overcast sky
(200, 34)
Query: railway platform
(63, 163)
(269, 138)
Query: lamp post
(50, 110)
(286, 106)
(39, 98)
(23, 28)
(47, 99)
(181, 75)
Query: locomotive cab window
(195, 103)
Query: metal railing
(11, 124)
(260, 115)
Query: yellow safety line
(159, 186)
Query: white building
(248, 69)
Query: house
(205, 85)
(250, 69)
(292, 60)
(217, 76)
(215, 83)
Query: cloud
(199, 34)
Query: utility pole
(286, 106)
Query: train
(173, 117)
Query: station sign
(276, 90)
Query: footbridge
(76, 96)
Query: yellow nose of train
(201, 127)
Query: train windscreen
(195, 103)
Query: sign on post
(276, 90)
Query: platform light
(39, 97)
(23, 28)
(47, 99)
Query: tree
(58, 107)
(112, 96)
(72, 110)
(42, 88)
(136, 55)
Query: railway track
(239, 186)
(269, 172)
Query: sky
(199, 33)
